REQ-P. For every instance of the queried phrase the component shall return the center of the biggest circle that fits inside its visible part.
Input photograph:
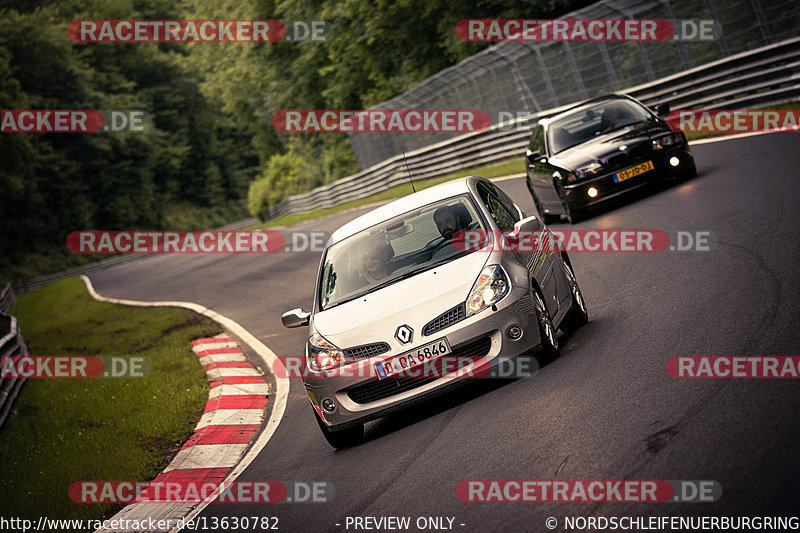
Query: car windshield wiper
(407, 275)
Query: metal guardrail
(7, 299)
(539, 75)
(11, 344)
(763, 76)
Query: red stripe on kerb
(226, 434)
(227, 364)
(211, 340)
(236, 401)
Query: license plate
(413, 358)
(641, 168)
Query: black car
(598, 150)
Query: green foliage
(377, 51)
(283, 174)
(55, 183)
(212, 106)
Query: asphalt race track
(606, 409)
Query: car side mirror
(533, 157)
(522, 230)
(531, 223)
(662, 110)
(295, 318)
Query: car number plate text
(413, 358)
(641, 168)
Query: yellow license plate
(641, 168)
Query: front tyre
(691, 172)
(547, 331)
(341, 439)
(572, 214)
(545, 217)
(578, 315)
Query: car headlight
(490, 287)
(588, 171)
(666, 141)
(321, 355)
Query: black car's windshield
(587, 122)
(396, 249)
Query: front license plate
(400, 363)
(641, 168)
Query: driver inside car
(450, 219)
(614, 116)
(447, 221)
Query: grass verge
(494, 170)
(67, 430)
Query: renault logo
(404, 334)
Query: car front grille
(367, 350)
(445, 320)
(618, 161)
(640, 150)
(384, 388)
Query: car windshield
(587, 122)
(396, 249)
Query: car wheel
(546, 218)
(691, 172)
(578, 315)
(341, 439)
(547, 331)
(573, 215)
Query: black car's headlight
(490, 287)
(666, 141)
(589, 171)
(321, 355)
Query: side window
(508, 203)
(503, 217)
(505, 220)
(484, 194)
(537, 140)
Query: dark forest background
(212, 139)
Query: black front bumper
(577, 195)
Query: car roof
(403, 205)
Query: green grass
(494, 170)
(67, 430)
(693, 135)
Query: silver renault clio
(425, 291)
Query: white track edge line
(281, 393)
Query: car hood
(414, 302)
(602, 147)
